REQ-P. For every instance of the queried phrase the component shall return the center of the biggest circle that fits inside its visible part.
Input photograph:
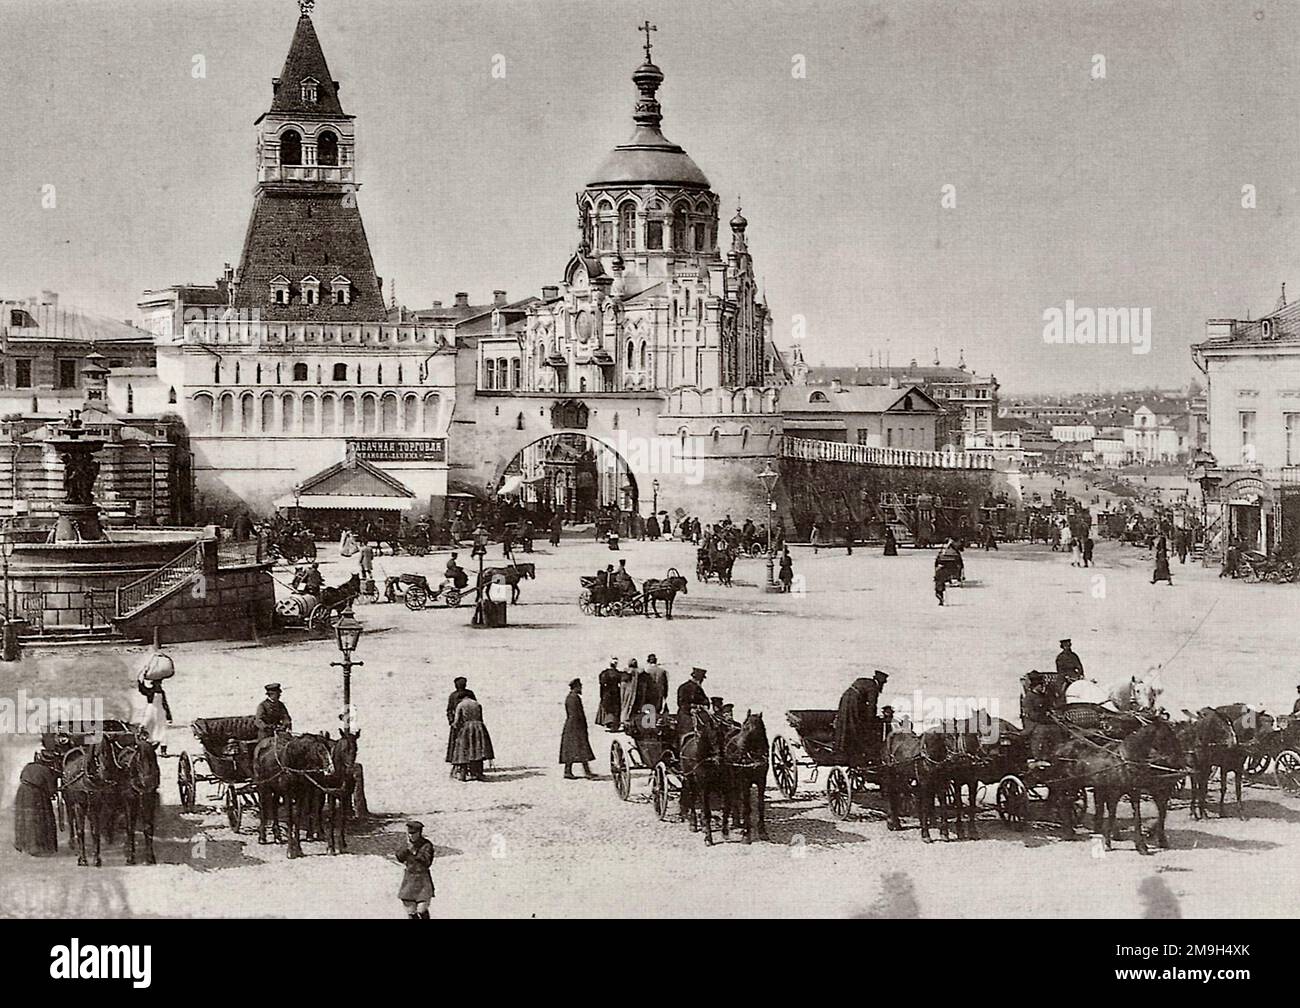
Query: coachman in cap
(1068, 663)
(417, 881)
(272, 715)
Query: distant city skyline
(1124, 191)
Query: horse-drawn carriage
(611, 600)
(315, 613)
(62, 738)
(227, 744)
(1277, 751)
(813, 749)
(417, 593)
(711, 562)
(293, 545)
(648, 746)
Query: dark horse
(744, 760)
(117, 774)
(339, 787)
(703, 775)
(512, 574)
(1148, 761)
(656, 590)
(1212, 741)
(285, 767)
(941, 763)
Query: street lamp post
(654, 508)
(769, 476)
(347, 633)
(480, 551)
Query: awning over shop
(354, 485)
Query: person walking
(628, 687)
(366, 558)
(891, 543)
(416, 890)
(666, 526)
(575, 745)
(470, 743)
(787, 570)
(157, 712)
(816, 538)
(1087, 549)
(460, 690)
(656, 688)
(1161, 572)
(610, 696)
(848, 537)
(652, 528)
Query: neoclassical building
(291, 364)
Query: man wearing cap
(1067, 662)
(857, 725)
(459, 692)
(417, 882)
(690, 694)
(575, 746)
(1295, 708)
(272, 715)
(656, 684)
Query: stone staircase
(139, 595)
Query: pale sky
(1119, 192)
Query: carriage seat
(813, 725)
(214, 733)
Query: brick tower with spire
(306, 257)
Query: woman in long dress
(627, 688)
(611, 698)
(471, 744)
(34, 830)
(157, 712)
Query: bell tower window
(291, 148)
(627, 227)
(327, 149)
(308, 90)
(654, 234)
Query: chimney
(836, 385)
(437, 304)
(893, 381)
(462, 299)
(550, 293)
(50, 298)
(498, 298)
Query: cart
(228, 744)
(648, 746)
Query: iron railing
(841, 451)
(139, 593)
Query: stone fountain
(78, 514)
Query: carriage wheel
(839, 794)
(615, 608)
(416, 597)
(584, 602)
(185, 782)
(453, 597)
(659, 790)
(618, 770)
(636, 606)
(234, 810)
(1286, 770)
(784, 768)
(1012, 800)
(1256, 763)
(318, 617)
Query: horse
(703, 775)
(120, 772)
(655, 590)
(1134, 694)
(1149, 761)
(512, 576)
(959, 762)
(284, 767)
(1212, 740)
(340, 785)
(745, 760)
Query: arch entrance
(570, 472)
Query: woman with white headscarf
(157, 712)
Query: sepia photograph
(650, 460)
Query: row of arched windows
(682, 234)
(291, 413)
(327, 148)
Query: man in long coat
(656, 684)
(575, 746)
(271, 714)
(417, 883)
(459, 692)
(857, 726)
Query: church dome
(648, 157)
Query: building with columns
(291, 364)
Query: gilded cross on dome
(306, 6)
(647, 28)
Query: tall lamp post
(480, 551)
(654, 507)
(347, 633)
(769, 476)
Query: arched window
(582, 384)
(246, 414)
(300, 372)
(631, 350)
(516, 373)
(268, 412)
(309, 414)
(216, 373)
(226, 418)
(388, 415)
(605, 227)
(432, 404)
(349, 414)
(327, 149)
(130, 398)
(288, 413)
(340, 372)
(644, 356)
(411, 414)
(328, 406)
(201, 413)
(679, 229)
(627, 227)
(369, 414)
(290, 148)
(503, 373)
(490, 374)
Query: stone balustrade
(839, 451)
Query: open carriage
(417, 593)
(613, 601)
(648, 746)
(228, 744)
(1277, 751)
(317, 613)
(813, 749)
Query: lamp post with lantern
(654, 507)
(347, 635)
(769, 476)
